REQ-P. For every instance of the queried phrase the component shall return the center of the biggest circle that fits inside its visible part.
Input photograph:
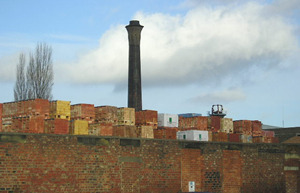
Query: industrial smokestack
(134, 70)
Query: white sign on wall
(191, 186)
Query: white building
(167, 120)
(193, 135)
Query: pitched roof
(295, 139)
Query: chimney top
(134, 23)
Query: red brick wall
(64, 163)
(191, 168)
(232, 175)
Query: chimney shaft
(134, 70)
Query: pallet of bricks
(82, 115)
(25, 116)
(105, 118)
(58, 122)
(167, 126)
(187, 122)
(146, 123)
(9, 110)
(244, 129)
(266, 137)
(221, 129)
(194, 122)
(251, 132)
(126, 123)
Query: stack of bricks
(25, 116)
(79, 127)
(106, 114)
(193, 123)
(226, 125)
(144, 131)
(28, 124)
(126, 116)
(105, 118)
(246, 138)
(60, 110)
(9, 111)
(219, 137)
(100, 129)
(146, 118)
(128, 131)
(256, 128)
(83, 112)
(126, 123)
(234, 137)
(81, 116)
(165, 133)
(214, 123)
(242, 127)
(60, 114)
(36, 107)
(56, 126)
(146, 122)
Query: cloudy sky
(244, 55)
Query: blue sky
(194, 53)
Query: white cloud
(224, 96)
(206, 44)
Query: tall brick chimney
(134, 71)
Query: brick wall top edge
(105, 106)
(169, 140)
(83, 104)
(59, 101)
(24, 101)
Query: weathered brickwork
(70, 163)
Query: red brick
(268, 133)
(165, 133)
(234, 137)
(101, 129)
(125, 131)
(146, 118)
(106, 114)
(215, 123)
(197, 123)
(57, 126)
(83, 112)
(242, 127)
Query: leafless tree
(20, 89)
(39, 75)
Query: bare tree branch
(39, 73)
(20, 89)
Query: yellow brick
(226, 125)
(60, 109)
(144, 131)
(126, 116)
(79, 127)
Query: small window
(170, 119)
(200, 137)
(184, 136)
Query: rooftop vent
(217, 110)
